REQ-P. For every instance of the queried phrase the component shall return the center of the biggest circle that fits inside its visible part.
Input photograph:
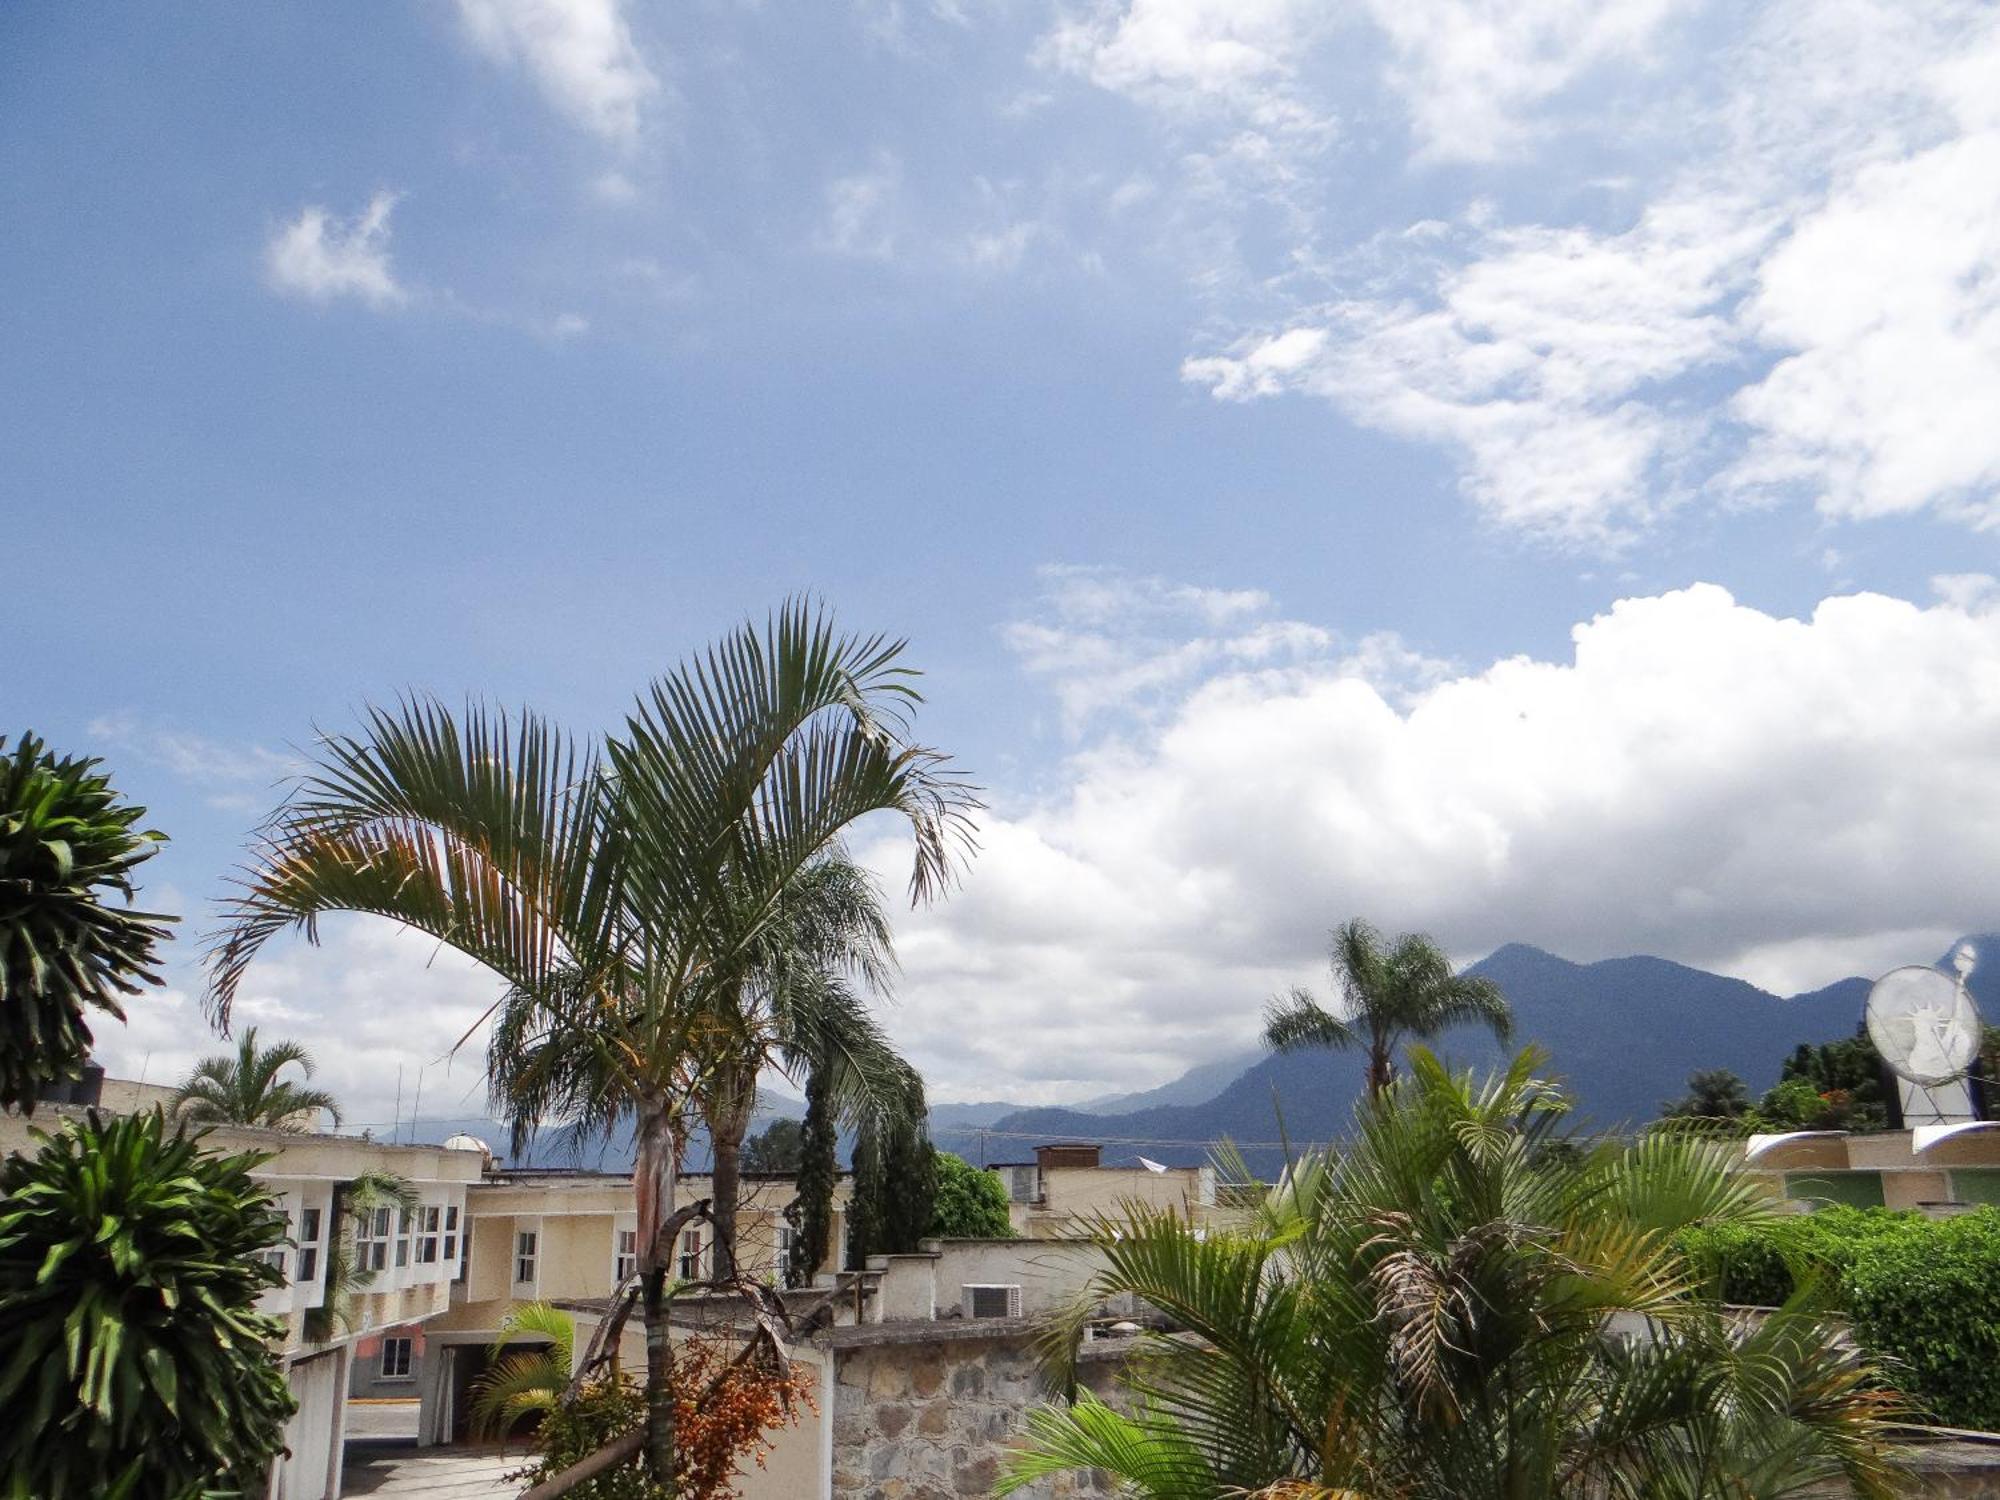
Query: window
(396, 1359)
(430, 1218)
(626, 1259)
(787, 1237)
(308, 1270)
(371, 1241)
(451, 1237)
(524, 1257)
(404, 1218)
(691, 1256)
(275, 1256)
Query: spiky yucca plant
(66, 843)
(133, 1362)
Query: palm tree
(1428, 1314)
(1713, 1094)
(1391, 995)
(617, 891)
(246, 1090)
(828, 943)
(527, 1381)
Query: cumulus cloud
(321, 257)
(1884, 304)
(580, 54)
(1791, 799)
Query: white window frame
(312, 1226)
(406, 1219)
(693, 1260)
(528, 1253)
(451, 1257)
(409, 1350)
(624, 1253)
(430, 1228)
(371, 1240)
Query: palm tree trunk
(653, 1173)
(728, 1123)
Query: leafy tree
(620, 893)
(1713, 1094)
(810, 1213)
(521, 1383)
(66, 844)
(1848, 1076)
(246, 1089)
(895, 1178)
(133, 1362)
(1390, 995)
(971, 1202)
(777, 1150)
(1422, 1314)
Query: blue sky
(1522, 470)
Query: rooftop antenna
(1927, 1029)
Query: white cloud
(1886, 307)
(1538, 358)
(1472, 71)
(1784, 798)
(243, 778)
(580, 54)
(861, 212)
(374, 997)
(321, 257)
(1241, 55)
(1802, 307)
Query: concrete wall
(1050, 1273)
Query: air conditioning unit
(990, 1300)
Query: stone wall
(932, 1418)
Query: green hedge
(1923, 1294)
(1759, 1265)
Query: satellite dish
(1924, 1024)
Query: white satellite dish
(1927, 1029)
(1924, 1024)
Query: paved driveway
(432, 1473)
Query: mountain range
(1622, 1035)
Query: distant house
(1936, 1169)
(567, 1237)
(1067, 1187)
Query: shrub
(971, 1203)
(1922, 1294)
(132, 1361)
(1759, 1264)
(1930, 1301)
(723, 1409)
